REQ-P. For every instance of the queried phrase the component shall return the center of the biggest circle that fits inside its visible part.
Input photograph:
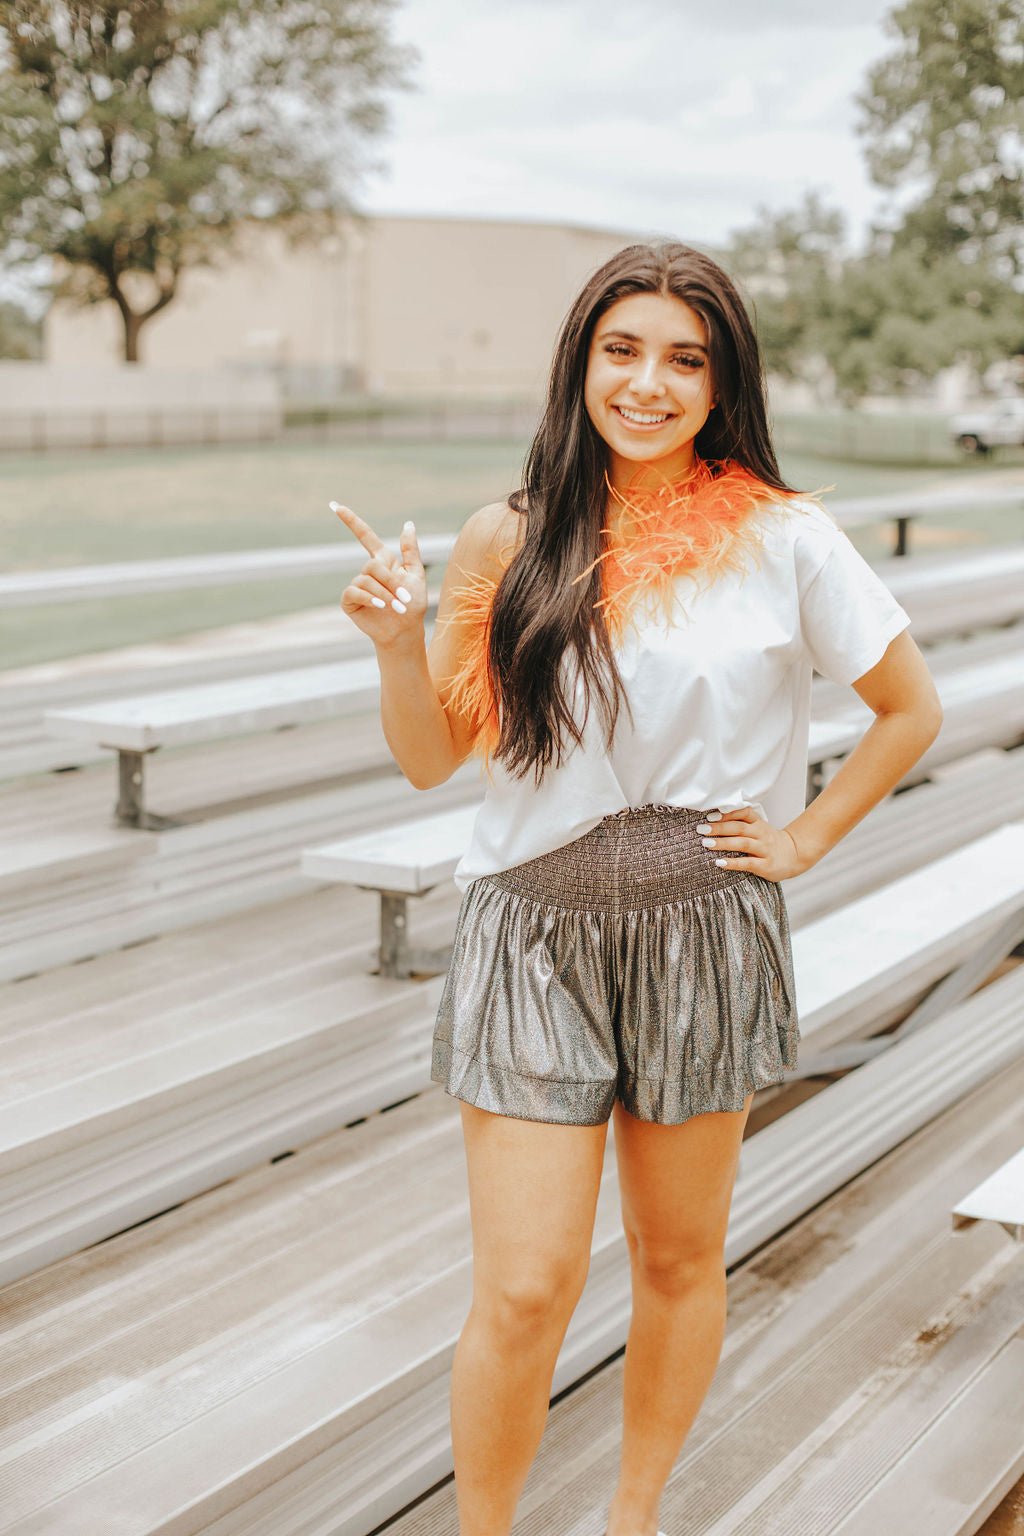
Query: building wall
(397, 305)
(103, 405)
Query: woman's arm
(908, 717)
(428, 738)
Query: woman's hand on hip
(743, 840)
(387, 600)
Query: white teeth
(639, 416)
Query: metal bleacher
(234, 1229)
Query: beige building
(392, 304)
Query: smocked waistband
(642, 856)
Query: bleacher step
(45, 856)
(831, 1326)
(962, 1467)
(217, 1083)
(225, 1345)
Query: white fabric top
(721, 698)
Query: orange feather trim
(701, 526)
(471, 695)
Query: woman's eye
(617, 349)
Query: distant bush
(21, 337)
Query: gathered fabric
(627, 965)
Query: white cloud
(638, 116)
(737, 99)
(656, 116)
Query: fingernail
(723, 862)
(378, 602)
(404, 595)
(714, 816)
(702, 828)
(334, 506)
(397, 606)
(409, 526)
(708, 842)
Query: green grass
(84, 508)
(914, 439)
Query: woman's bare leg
(533, 1194)
(677, 1183)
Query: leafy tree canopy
(889, 319)
(788, 264)
(21, 336)
(896, 319)
(943, 114)
(137, 137)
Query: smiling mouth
(643, 418)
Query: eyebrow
(697, 346)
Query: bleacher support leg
(393, 931)
(903, 523)
(130, 810)
(817, 778)
(130, 788)
(398, 958)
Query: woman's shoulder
(806, 512)
(488, 539)
(804, 530)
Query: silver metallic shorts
(626, 964)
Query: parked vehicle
(1000, 425)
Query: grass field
(83, 508)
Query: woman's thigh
(676, 1183)
(533, 1191)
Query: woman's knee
(534, 1303)
(673, 1267)
(533, 1197)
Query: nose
(645, 382)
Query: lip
(648, 426)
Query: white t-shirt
(721, 698)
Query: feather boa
(701, 527)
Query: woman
(622, 945)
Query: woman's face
(648, 389)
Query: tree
(20, 335)
(789, 263)
(138, 137)
(894, 320)
(889, 319)
(944, 112)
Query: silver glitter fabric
(626, 964)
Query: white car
(1000, 426)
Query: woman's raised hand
(388, 599)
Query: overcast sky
(651, 116)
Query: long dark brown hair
(538, 614)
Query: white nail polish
(397, 606)
(714, 816)
(409, 527)
(404, 595)
(334, 505)
(378, 602)
(723, 862)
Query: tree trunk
(132, 327)
(134, 321)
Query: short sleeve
(848, 616)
